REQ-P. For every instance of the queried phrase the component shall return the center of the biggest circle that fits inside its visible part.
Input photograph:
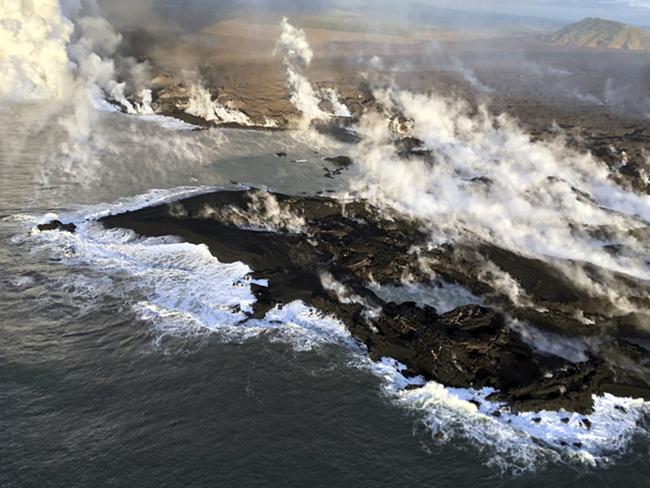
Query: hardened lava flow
(326, 253)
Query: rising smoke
(297, 56)
(48, 48)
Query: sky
(630, 11)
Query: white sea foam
(181, 289)
(178, 287)
(518, 442)
(166, 273)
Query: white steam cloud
(297, 56)
(485, 180)
(65, 52)
(265, 213)
(34, 62)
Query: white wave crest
(518, 442)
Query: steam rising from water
(184, 291)
(47, 50)
(50, 52)
(265, 214)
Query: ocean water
(122, 364)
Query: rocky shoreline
(326, 253)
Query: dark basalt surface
(57, 225)
(340, 161)
(352, 243)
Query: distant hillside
(604, 34)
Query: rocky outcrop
(57, 225)
(340, 161)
